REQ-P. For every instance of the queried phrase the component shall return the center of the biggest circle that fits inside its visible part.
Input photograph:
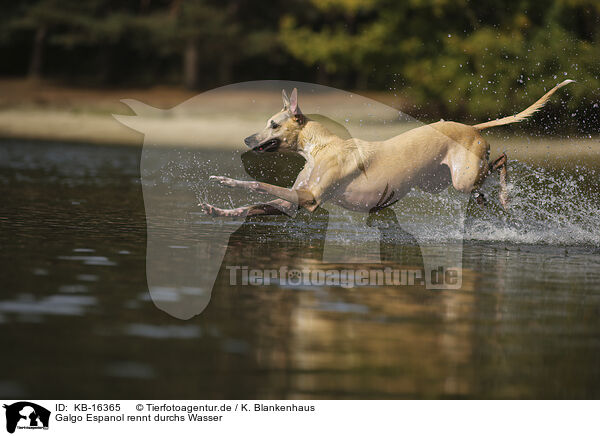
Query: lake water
(77, 319)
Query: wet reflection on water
(75, 309)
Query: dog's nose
(248, 140)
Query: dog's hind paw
(480, 198)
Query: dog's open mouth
(270, 145)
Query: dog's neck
(313, 138)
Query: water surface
(77, 320)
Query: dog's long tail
(526, 113)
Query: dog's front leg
(301, 197)
(228, 181)
(275, 207)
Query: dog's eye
(274, 125)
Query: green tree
(452, 57)
(201, 32)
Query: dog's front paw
(224, 181)
(211, 210)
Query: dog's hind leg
(275, 207)
(501, 165)
(469, 169)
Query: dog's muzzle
(266, 146)
(251, 141)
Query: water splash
(548, 206)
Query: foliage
(454, 57)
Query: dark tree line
(446, 56)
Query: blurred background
(462, 60)
(75, 311)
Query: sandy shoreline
(43, 111)
(36, 112)
(225, 133)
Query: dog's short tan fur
(367, 176)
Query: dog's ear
(294, 108)
(286, 99)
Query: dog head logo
(187, 241)
(26, 415)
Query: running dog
(369, 176)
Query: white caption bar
(160, 417)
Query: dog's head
(282, 129)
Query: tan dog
(368, 176)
